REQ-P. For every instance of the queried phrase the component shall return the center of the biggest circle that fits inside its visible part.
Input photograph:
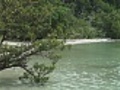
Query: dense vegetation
(43, 22)
(37, 19)
(30, 20)
(101, 17)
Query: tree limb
(4, 33)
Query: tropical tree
(41, 22)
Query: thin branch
(4, 33)
(28, 71)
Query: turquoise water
(84, 67)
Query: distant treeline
(37, 19)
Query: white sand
(85, 41)
(11, 43)
(68, 42)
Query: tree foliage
(102, 16)
(36, 21)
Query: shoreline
(87, 41)
(68, 41)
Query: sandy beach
(86, 41)
(68, 42)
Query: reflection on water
(84, 67)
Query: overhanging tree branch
(3, 34)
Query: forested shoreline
(37, 19)
(101, 18)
